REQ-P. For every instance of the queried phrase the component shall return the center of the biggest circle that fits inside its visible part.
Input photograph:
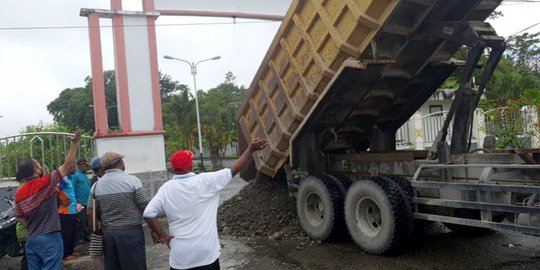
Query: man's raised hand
(76, 137)
(258, 144)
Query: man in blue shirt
(81, 184)
(68, 216)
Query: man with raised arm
(36, 206)
(190, 202)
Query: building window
(435, 108)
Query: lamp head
(215, 58)
(168, 57)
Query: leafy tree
(509, 82)
(217, 108)
(169, 87)
(496, 14)
(515, 83)
(73, 108)
(524, 50)
(516, 74)
(532, 95)
(179, 119)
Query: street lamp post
(193, 67)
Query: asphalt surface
(437, 251)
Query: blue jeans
(45, 251)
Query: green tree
(524, 50)
(516, 74)
(73, 108)
(169, 87)
(510, 82)
(217, 107)
(179, 119)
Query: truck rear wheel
(378, 216)
(319, 205)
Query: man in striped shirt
(36, 208)
(120, 202)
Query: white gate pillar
(418, 127)
(529, 114)
(479, 125)
(140, 134)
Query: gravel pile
(263, 208)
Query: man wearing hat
(95, 165)
(120, 200)
(190, 202)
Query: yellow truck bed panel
(313, 43)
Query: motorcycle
(8, 236)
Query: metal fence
(49, 148)
(402, 136)
(505, 118)
(432, 124)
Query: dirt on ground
(263, 208)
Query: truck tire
(419, 226)
(319, 205)
(403, 183)
(378, 216)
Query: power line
(130, 25)
(525, 29)
(203, 24)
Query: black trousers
(69, 232)
(82, 226)
(24, 261)
(212, 266)
(123, 249)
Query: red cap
(182, 161)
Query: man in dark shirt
(37, 208)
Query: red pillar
(98, 82)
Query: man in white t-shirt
(190, 202)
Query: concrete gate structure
(140, 135)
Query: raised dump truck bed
(347, 69)
(338, 81)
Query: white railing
(49, 148)
(432, 124)
(403, 139)
(422, 130)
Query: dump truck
(339, 79)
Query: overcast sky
(36, 65)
